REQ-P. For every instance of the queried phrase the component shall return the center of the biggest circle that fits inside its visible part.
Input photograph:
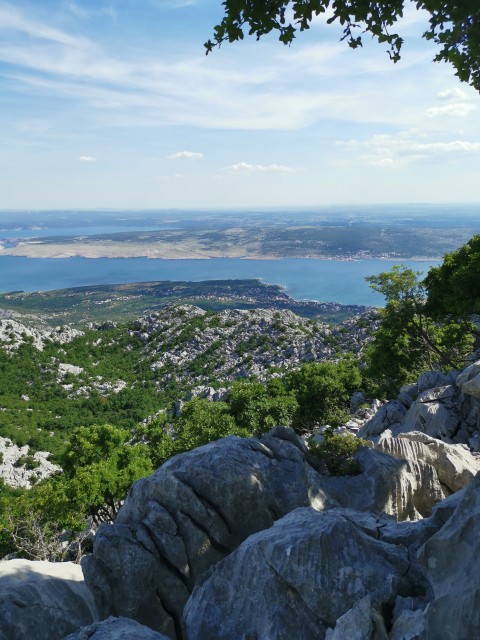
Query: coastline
(124, 251)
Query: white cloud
(245, 167)
(87, 159)
(188, 155)
(455, 110)
(452, 94)
(14, 20)
(408, 147)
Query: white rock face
(64, 368)
(13, 333)
(454, 464)
(42, 600)
(435, 412)
(21, 476)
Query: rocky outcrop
(304, 573)
(451, 560)
(242, 539)
(189, 515)
(442, 406)
(453, 464)
(116, 629)
(14, 333)
(245, 342)
(197, 509)
(407, 489)
(19, 468)
(42, 600)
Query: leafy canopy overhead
(453, 25)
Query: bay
(303, 278)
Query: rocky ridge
(243, 343)
(13, 333)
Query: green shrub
(337, 451)
(28, 461)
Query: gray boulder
(116, 629)
(404, 488)
(454, 464)
(42, 600)
(468, 374)
(435, 412)
(190, 514)
(443, 406)
(451, 560)
(361, 622)
(389, 416)
(296, 579)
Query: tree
(408, 341)
(259, 407)
(100, 465)
(453, 288)
(323, 391)
(453, 25)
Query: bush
(28, 461)
(337, 451)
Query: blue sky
(114, 104)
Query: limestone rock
(390, 414)
(435, 412)
(410, 625)
(472, 387)
(443, 406)
(467, 374)
(116, 629)
(304, 573)
(404, 488)
(361, 622)
(20, 476)
(451, 560)
(42, 600)
(13, 333)
(190, 514)
(454, 464)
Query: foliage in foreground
(454, 26)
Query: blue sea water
(303, 278)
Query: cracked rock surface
(190, 514)
(296, 579)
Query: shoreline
(51, 254)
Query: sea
(341, 281)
